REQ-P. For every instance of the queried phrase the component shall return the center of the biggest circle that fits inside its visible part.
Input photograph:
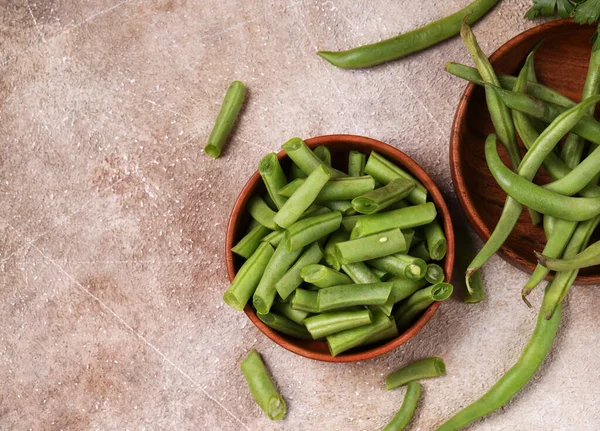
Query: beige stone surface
(112, 220)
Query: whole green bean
(302, 198)
(350, 338)
(285, 309)
(260, 211)
(329, 253)
(403, 218)
(250, 242)
(588, 257)
(345, 207)
(356, 163)
(436, 240)
(514, 379)
(407, 43)
(284, 325)
(423, 369)
(385, 171)
(409, 310)
(311, 229)
(477, 293)
(434, 273)
(278, 265)
(581, 175)
(305, 159)
(348, 295)
(273, 177)
(371, 247)
(261, 386)
(383, 197)
(322, 276)
(305, 300)
(337, 189)
(292, 279)
(536, 197)
(275, 237)
(232, 104)
(402, 288)
(407, 410)
(324, 324)
(420, 251)
(248, 277)
(401, 265)
(323, 153)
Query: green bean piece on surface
(514, 379)
(371, 247)
(324, 324)
(588, 257)
(286, 285)
(436, 240)
(381, 198)
(285, 309)
(260, 211)
(322, 276)
(311, 229)
(329, 253)
(401, 265)
(423, 369)
(402, 218)
(407, 43)
(302, 198)
(356, 163)
(385, 171)
(274, 178)
(434, 273)
(350, 338)
(348, 295)
(305, 159)
(247, 278)
(323, 153)
(284, 325)
(250, 242)
(261, 386)
(409, 310)
(232, 104)
(280, 262)
(407, 410)
(305, 300)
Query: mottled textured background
(112, 220)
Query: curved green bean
(311, 229)
(407, 43)
(247, 278)
(514, 379)
(423, 369)
(292, 279)
(383, 197)
(305, 159)
(284, 325)
(261, 386)
(401, 265)
(348, 295)
(402, 218)
(385, 171)
(356, 163)
(322, 276)
(409, 310)
(581, 175)
(250, 242)
(407, 410)
(324, 324)
(260, 211)
(584, 259)
(371, 247)
(232, 104)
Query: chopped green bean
(329, 253)
(285, 309)
(407, 410)
(356, 163)
(345, 207)
(382, 275)
(350, 338)
(292, 279)
(232, 104)
(284, 325)
(371, 247)
(337, 189)
(423, 369)
(414, 305)
(403, 218)
(436, 240)
(401, 265)
(385, 334)
(360, 273)
(311, 229)
(275, 237)
(260, 211)
(273, 177)
(322, 276)
(296, 172)
(305, 300)
(434, 274)
(348, 222)
(262, 387)
(324, 154)
(324, 324)
(381, 198)
(348, 295)
(409, 235)
(305, 159)
(248, 277)
(420, 250)
(402, 288)
(250, 242)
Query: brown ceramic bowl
(339, 145)
(561, 63)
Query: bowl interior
(339, 145)
(561, 63)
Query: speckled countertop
(112, 220)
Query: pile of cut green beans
(344, 257)
(569, 204)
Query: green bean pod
(588, 257)
(260, 211)
(247, 278)
(423, 369)
(305, 159)
(311, 229)
(262, 387)
(409, 310)
(324, 324)
(348, 295)
(580, 177)
(401, 265)
(403, 218)
(350, 338)
(383, 197)
(286, 285)
(385, 171)
(250, 242)
(371, 247)
(284, 325)
(232, 104)
(407, 43)
(356, 163)
(272, 174)
(407, 410)
(322, 276)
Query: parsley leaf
(562, 8)
(587, 12)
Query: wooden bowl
(561, 63)
(339, 145)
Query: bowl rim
(459, 181)
(443, 213)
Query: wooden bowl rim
(455, 156)
(436, 196)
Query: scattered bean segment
(232, 104)
(315, 273)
